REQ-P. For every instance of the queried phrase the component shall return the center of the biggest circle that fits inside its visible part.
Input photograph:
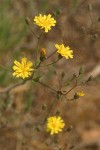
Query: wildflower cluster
(25, 70)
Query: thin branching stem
(9, 88)
(50, 63)
(38, 38)
(46, 86)
(50, 110)
(67, 99)
(70, 89)
(37, 49)
(51, 54)
(32, 31)
(74, 86)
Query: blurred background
(78, 25)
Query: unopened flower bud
(62, 74)
(44, 107)
(71, 147)
(57, 112)
(90, 79)
(59, 94)
(38, 128)
(76, 96)
(43, 54)
(70, 128)
(27, 20)
(82, 69)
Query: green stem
(38, 65)
(51, 55)
(50, 63)
(37, 49)
(32, 31)
(38, 38)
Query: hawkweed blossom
(64, 51)
(80, 94)
(54, 125)
(22, 69)
(45, 21)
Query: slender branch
(67, 99)
(32, 31)
(38, 65)
(75, 85)
(38, 43)
(50, 109)
(46, 86)
(50, 63)
(51, 54)
(38, 37)
(90, 9)
(70, 89)
(9, 88)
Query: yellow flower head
(80, 94)
(54, 125)
(64, 51)
(45, 22)
(22, 69)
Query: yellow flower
(54, 125)
(64, 51)
(45, 22)
(22, 69)
(80, 94)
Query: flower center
(54, 125)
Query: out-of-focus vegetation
(12, 26)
